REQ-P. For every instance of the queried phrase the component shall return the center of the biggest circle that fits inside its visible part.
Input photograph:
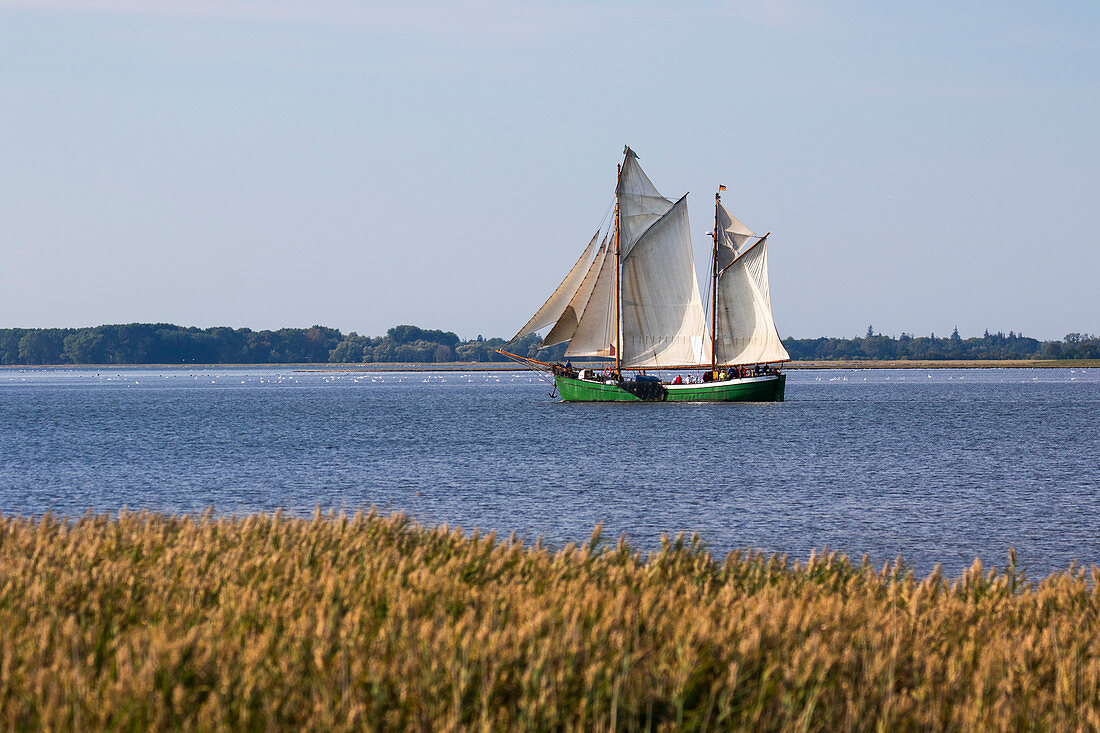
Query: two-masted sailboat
(633, 296)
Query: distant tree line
(413, 345)
(875, 346)
(163, 343)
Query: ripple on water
(937, 467)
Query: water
(934, 465)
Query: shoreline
(508, 367)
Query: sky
(920, 166)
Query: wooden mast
(618, 273)
(714, 291)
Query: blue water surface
(939, 466)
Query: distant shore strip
(791, 365)
(166, 343)
(505, 367)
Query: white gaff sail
(663, 319)
(746, 329)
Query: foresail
(595, 333)
(640, 203)
(663, 320)
(746, 329)
(552, 310)
(732, 237)
(566, 326)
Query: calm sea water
(936, 466)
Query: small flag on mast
(721, 188)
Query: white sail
(595, 334)
(663, 320)
(746, 330)
(552, 310)
(732, 236)
(566, 326)
(640, 203)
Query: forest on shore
(164, 343)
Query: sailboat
(633, 297)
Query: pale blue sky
(275, 163)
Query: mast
(618, 273)
(714, 290)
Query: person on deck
(678, 380)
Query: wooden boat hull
(766, 388)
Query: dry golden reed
(150, 621)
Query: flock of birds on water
(309, 378)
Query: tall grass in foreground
(264, 622)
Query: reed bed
(145, 621)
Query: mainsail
(663, 321)
(746, 330)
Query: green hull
(754, 389)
